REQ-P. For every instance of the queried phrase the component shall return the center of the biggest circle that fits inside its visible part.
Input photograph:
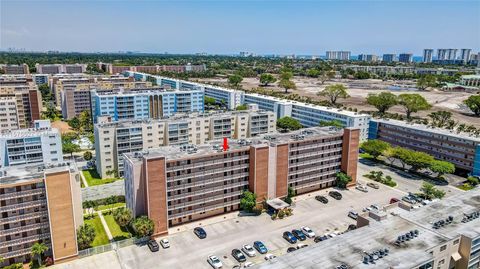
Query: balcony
(207, 191)
(205, 209)
(23, 240)
(205, 200)
(30, 204)
(208, 163)
(19, 194)
(206, 182)
(316, 161)
(23, 217)
(26, 228)
(209, 172)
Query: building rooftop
(349, 247)
(30, 132)
(24, 173)
(140, 91)
(430, 129)
(215, 146)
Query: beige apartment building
(198, 181)
(12, 69)
(39, 203)
(113, 139)
(20, 105)
(60, 68)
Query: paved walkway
(103, 191)
(83, 180)
(105, 226)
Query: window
(444, 247)
(456, 241)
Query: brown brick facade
(258, 179)
(350, 153)
(281, 184)
(156, 195)
(61, 215)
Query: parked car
(247, 249)
(336, 195)
(260, 247)
(409, 199)
(165, 243)
(375, 207)
(214, 262)
(299, 246)
(248, 264)
(306, 230)
(353, 215)
(238, 255)
(320, 238)
(200, 232)
(322, 199)
(269, 257)
(299, 234)
(394, 200)
(153, 245)
(373, 185)
(290, 237)
(351, 227)
(361, 188)
(291, 249)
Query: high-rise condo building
(367, 57)
(12, 69)
(138, 104)
(41, 144)
(338, 55)
(427, 55)
(39, 203)
(446, 54)
(389, 58)
(447, 145)
(405, 57)
(112, 139)
(20, 104)
(465, 55)
(178, 184)
(60, 68)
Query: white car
(269, 256)
(248, 250)
(307, 231)
(361, 188)
(165, 243)
(376, 207)
(353, 215)
(248, 264)
(214, 262)
(299, 246)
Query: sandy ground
(359, 89)
(62, 126)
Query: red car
(394, 200)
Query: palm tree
(122, 216)
(37, 250)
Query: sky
(228, 26)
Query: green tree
(382, 101)
(87, 156)
(248, 201)
(285, 83)
(375, 147)
(37, 250)
(326, 75)
(313, 73)
(362, 75)
(267, 78)
(46, 93)
(473, 181)
(122, 216)
(427, 81)
(440, 118)
(288, 123)
(286, 74)
(70, 148)
(86, 121)
(342, 179)
(241, 107)
(417, 160)
(413, 102)
(75, 124)
(441, 167)
(51, 113)
(473, 102)
(334, 123)
(333, 92)
(85, 236)
(143, 226)
(235, 80)
(210, 101)
(430, 192)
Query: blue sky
(281, 27)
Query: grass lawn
(117, 232)
(94, 179)
(103, 207)
(466, 187)
(101, 237)
(366, 156)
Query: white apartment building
(34, 145)
(112, 139)
(8, 113)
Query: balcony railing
(7, 208)
(23, 217)
(204, 209)
(209, 172)
(205, 200)
(23, 240)
(206, 191)
(26, 228)
(207, 182)
(23, 193)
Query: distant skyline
(228, 27)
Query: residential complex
(382, 70)
(60, 68)
(20, 103)
(114, 139)
(456, 244)
(12, 69)
(39, 203)
(338, 55)
(427, 55)
(389, 58)
(153, 69)
(465, 55)
(147, 103)
(308, 115)
(367, 57)
(446, 54)
(460, 149)
(41, 144)
(405, 57)
(196, 182)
